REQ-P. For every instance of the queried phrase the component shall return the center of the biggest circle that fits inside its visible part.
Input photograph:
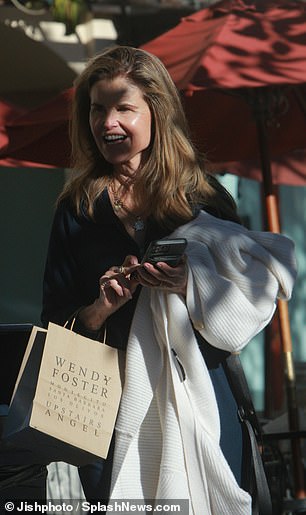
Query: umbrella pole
(273, 222)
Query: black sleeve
(61, 295)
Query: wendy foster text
(89, 381)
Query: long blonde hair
(172, 179)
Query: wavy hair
(172, 178)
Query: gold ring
(122, 269)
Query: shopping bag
(66, 397)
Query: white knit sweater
(168, 428)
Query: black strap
(248, 417)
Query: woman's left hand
(164, 277)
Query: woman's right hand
(116, 288)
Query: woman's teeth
(114, 137)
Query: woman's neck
(125, 175)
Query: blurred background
(44, 45)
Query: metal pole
(273, 222)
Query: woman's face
(120, 121)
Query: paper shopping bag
(66, 397)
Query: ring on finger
(122, 269)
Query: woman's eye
(97, 109)
(124, 108)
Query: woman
(137, 178)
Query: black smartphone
(169, 251)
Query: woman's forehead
(119, 88)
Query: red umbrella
(9, 111)
(231, 51)
(242, 66)
(39, 137)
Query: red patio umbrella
(37, 137)
(242, 67)
(9, 111)
(236, 50)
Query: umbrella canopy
(222, 57)
(236, 44)
(36, 138)
(9, 112)
(33, 120)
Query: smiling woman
(138, 178)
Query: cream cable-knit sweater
(168, 429)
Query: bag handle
(248, 418)
(104, 336)
(72, 319)
(93, 335)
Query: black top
(80, 252)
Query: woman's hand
(164, 277)
(116, 285)
(116, 288)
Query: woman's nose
(110, 119)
